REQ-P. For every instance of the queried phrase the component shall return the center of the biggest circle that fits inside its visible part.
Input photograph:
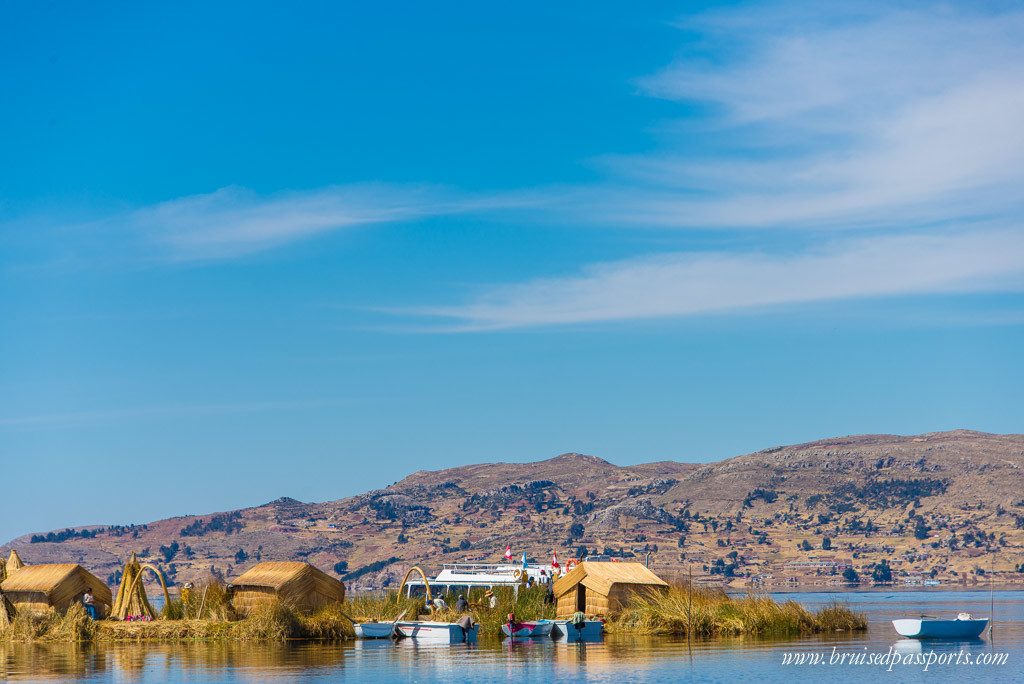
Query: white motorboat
(442, 632)
(963, 627)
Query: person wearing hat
(492, 600)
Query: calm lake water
(616, 659)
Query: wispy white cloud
(905, 121)
(235, 221)
(683, 284)
(885, 117)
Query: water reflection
(50, 660)
(615, 659)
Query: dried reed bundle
(131, 598)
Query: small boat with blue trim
(925, 627)
(528, 630)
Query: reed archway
(416, 568)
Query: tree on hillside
(851, 576)
(920, 529)
(826, 543)
(882, 572)
(805, 546)
(576, 530)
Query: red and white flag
(554, 560)
(508, 551)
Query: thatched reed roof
(14, 562)
(600, 577)
(3, 569)
(290, 579)
(60, 583)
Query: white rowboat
(374, 630)
(442, 632)
(964, 627)
(540, 628)
(565, 630)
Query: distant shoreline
(820, 589)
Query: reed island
(279, 601)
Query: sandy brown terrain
(948, 506)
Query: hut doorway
(581, 599)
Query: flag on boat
(524, 560)
(508, 551)
(554, 562)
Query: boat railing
(479, 568)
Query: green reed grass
(527, 605)
(715, 613)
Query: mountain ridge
(745, 519)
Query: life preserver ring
(571, 564)
(517, 574)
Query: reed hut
(14, 562)
(54, 587)
(3, 568)
(297, 584)
(602, 588)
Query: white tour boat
(459, 578)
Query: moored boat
(963, 627)
(571, 631)
(442, 632)
(374, 630)
(460, 578)
(538, 628)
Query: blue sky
(251, 250)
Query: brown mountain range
(948, 506)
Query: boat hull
(437, 632)
(564, 630)
(940, 629)
(374, 630)
(530, 630)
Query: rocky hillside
(944, 505)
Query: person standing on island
(90, 603)
(186, 594)
(492, 600)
